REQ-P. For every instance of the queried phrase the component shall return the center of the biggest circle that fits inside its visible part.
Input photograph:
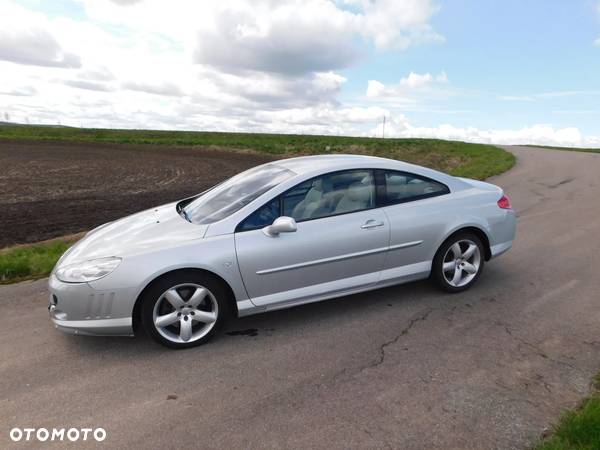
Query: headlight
(87, 270)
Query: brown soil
(50, 189)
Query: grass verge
(26, 262)
(579, 429)
(457, 158)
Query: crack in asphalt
(560, 183)
(384, 441)
(537, 350)
(381, 357)
(420, 318)
(405, 330)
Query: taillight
(504, 202)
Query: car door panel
(415, 231)
(314, 259)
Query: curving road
(403, 367)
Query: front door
(339, 245)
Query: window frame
(382, 195)
(376, 203)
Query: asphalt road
(403, 367)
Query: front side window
(235, 193)
(402, 187)
(262, 217)
(330, 194)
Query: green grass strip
(30, 261)
(579, 429)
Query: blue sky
(485, 71)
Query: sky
(505, 72)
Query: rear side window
(401, 187)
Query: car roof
(306, 164)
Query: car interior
(331, 194)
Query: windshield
(235, 193)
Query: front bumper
(78, 308)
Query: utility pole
(383, 132)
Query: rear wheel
(184, 309)
(459, 262)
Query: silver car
(278, 235)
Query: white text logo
(57, 434)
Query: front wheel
(184, 309)
(458, 262)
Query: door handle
(371, 224)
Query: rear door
(339, 245)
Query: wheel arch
(136, 315)
(477, 231)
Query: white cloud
(536, 134)
(100, 73)
(20, 91)
(415, 80)
(25, 38)
(289, 38)
(300, 36)
(160, 88)
(548, 95)
(409, 88)
(89, 85)
(597, 42)
(35, 47)
(292, 37)
(398, 24)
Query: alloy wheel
(185, 313)
(461, 263)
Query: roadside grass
(578, 429)
(26, 262)
(463, 159)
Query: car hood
(152, 229)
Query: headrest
(359, 192)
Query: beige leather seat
(312, 200)
(357, 196)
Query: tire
(469, 263)
(193, 307)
